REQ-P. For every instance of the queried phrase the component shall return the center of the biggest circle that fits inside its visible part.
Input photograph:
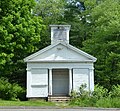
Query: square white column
(70, 80)
(50, 81)
(91, 79)
(29, 82)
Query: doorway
(60, 82)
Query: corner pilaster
(50, 82)
(70, 80)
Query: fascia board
(61, 61)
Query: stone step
(59, 98)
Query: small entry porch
(60, 82)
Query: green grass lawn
(26, 103)
(104, 102)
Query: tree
(73, 12)
(77, 15)
(19, 36)
(105, 42)
(52, 12)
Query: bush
(82, 93)
(115, 92)
(100, 92)
(99, 98)
(81, 98)
(10, 91)
(73, 94)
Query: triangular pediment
(60, 52)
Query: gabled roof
(60, 52)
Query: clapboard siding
(39, 76)
(80, 77)
(39, 83)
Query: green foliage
(104, 43)
(64, 12)
(73, 94)
(100, 92)
(9, 91)
(50, 10)
(99, 98)
(108, 103)
(79, 21)
(115, 91)
(81, 98)
(19, 36)
(106, 19)
(82, 93)
(96, 30)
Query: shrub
(81, 98)
(73, 94)
(100, 92)
(99, 98)
(9, 91)
(81, 93)
(115, 92)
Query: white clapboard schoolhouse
(59, 68)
